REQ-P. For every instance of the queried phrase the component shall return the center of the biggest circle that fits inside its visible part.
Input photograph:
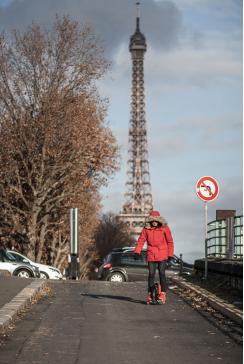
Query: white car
(19, 269)
(46, 271)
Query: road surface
(99, 322)
(10, 287)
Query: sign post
(207, 189)
(206, 238)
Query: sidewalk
(217, 286)
(223, 304)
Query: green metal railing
(238, 237)
(218, 244)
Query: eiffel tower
(138, 197)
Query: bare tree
(111, 233)
(55, 148)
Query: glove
(136, 256)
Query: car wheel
(116, 277)
(23, 273)
(44, 275)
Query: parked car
(121, 265)
(19, 269)
(46, 271)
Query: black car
(122, 265)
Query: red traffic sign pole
(207, 189)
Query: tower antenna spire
(138, 15)
(138, 9)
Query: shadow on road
(121, 298)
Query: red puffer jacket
(160, 243)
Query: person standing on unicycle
(160, 249)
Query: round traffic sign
(207, 188)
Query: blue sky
(193, 87)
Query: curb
(4, 273)
(11, 309)
(217, 303)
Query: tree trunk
(33, 236)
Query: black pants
(152, 266)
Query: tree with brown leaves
(55, 148)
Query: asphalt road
(10, 287)
(100, 322)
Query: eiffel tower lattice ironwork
(138, 196)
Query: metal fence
(225, 238)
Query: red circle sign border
(214, 181)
